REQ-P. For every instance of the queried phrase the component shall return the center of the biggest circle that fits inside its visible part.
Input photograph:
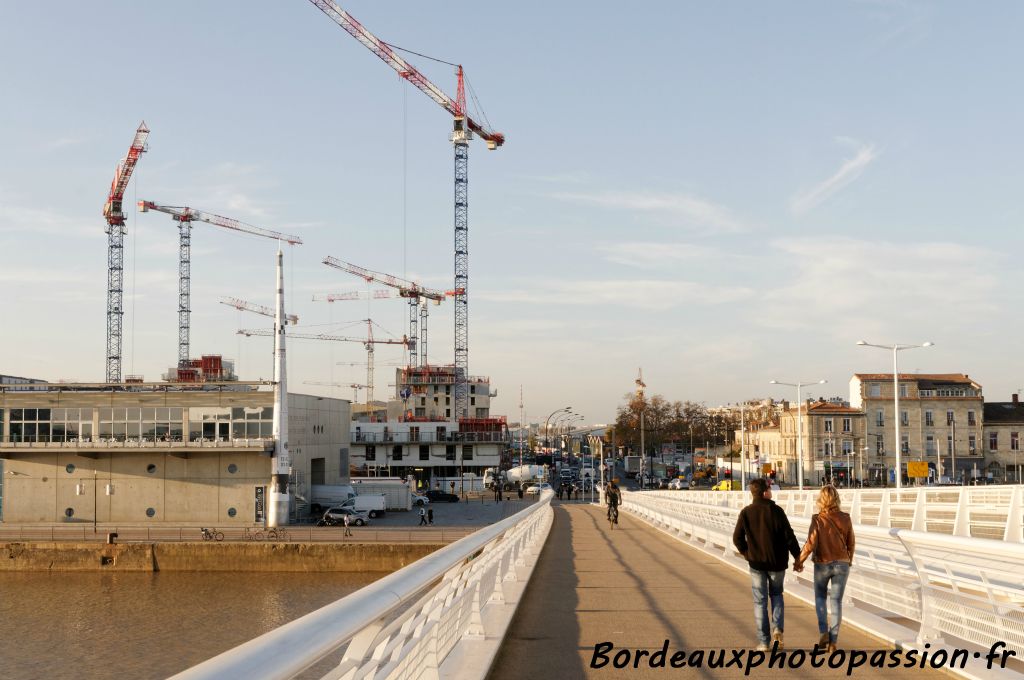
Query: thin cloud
(687, 206)
(654, 254)
(849, 171)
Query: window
(949, 417)
(880, 418)
(1015, 441)
(371, 452)
(903, 390)
(904, 418)
(472, 389)
(879, 445)
(993, 441)
(972, 444)
(874, 390)
(970, 419)
(467, 452)
(847, 424)
(396, 452)
(828, 425)
(449, 452)
(929, 445)
(828, 449)
(847, 447)
(904, 444)
(929, 419)
(424, 451)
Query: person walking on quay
(519, 490)
(423, 516)
(763, 536)
(430, 516)
(348, 529)
(830, 540)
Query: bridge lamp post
(799, 425)
(547, 422)
(896, 349)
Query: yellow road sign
(917, 468)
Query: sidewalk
(636, 587)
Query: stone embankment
(227, 556)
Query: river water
(146, 625)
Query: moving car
(678, 484)
(727, 485)
(336, 515)
(537, 488)
(419, 499)
(438, 496)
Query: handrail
(359, 618)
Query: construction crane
(462, 132)
(417, 296)
(184, 216)
(242, 305)
(115, 250)
(355, 387)
(381, 294)
(368, 342)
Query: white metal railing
(995, 512)
(444, 614)
(966, 588)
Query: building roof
(825, 408)
(1004, 412)
(936, 378)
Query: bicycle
(277, 534)
(253, 535)
(212, 535)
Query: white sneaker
(762, 647)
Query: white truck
(326, 496)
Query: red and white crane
(184, 216)
(380, 294)
(414, 292)
(368, 342)
(463, 130)
(115, 250)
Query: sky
(721, 194)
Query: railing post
(919, 523)
(928, 631)
(962, 521)
(884, 520)
(1014, 519)
(855, 507)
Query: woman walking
(831, 542)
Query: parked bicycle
(277, 534)
(212, 534)
(254, 535)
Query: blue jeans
(767, 585)
(837, 573)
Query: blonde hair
(828, 499)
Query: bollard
(111, 537)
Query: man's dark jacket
(763, 536)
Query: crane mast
(463, 130)
(115, 230)
(184, 216)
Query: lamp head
(822, 382)
(773, 382)
(928, 344)
(862, 342)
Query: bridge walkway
(637, 587)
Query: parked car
(537, 488)
(678, 483)
(419, 499)
(335, 515)
(727, 485)
(438, 496)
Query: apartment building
(940, 421)
(1004, 427)
(833, 442)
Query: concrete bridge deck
(636, 587)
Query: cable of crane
(476, 103)
(402, 49)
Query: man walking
(763, 536)
(430, 517)
(348, 530)
(423, 516)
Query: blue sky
(721, 193)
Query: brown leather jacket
(830, 538)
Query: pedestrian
(830, 540)
(613, 497)
(519, 490)
(423, 516)
(348, 529)
(559, 492)
(763, 536)
(501, 496)
(577, 492)
(430, 517)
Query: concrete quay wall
(268, 557)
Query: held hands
(798, 566)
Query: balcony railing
(136, 443)
(429, 437)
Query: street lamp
(896, 397)
(799, 425)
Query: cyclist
(613, 497)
